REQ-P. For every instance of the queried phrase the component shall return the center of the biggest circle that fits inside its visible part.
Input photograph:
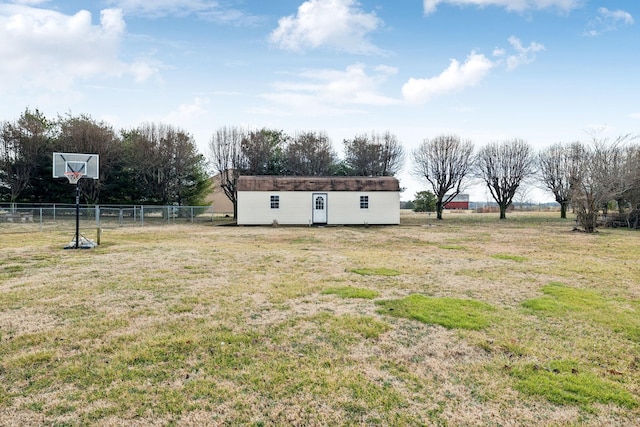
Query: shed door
(319, 208)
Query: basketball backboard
(85, 164)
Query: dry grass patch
(377, 271)
(516, 258)
(197, 325)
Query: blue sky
(545, 71)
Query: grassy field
(466, 321)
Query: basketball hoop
(73, 177)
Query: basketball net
(73, 177)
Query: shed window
(275, 202)
(319, 203)
(364, 202)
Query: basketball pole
(78, 214)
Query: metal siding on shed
(343, 208)
(254, 208)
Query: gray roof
(317, 183)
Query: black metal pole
(78, 214)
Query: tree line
(235, 151)
(159, 163)
(589, 177)
(152, 164)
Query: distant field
(465, 321)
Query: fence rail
(105, 215)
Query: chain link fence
(104, 215)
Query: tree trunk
(587, 218)
(563, 210)
(503, 211)
(439, 209)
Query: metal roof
(317, 183)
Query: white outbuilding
(295, 200)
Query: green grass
(452, 247)
(515, 258)
(351, 292)
(565, 382)
(380, 271)
(452, 313)
(357, 326)
(621, 316)
(205, 325)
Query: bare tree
(374, 155)
(225, 154)
(522, 197)
(311, 154)
(504, 166)
(632, 176)
(556, 164)
(391, 153)
(445, 162)
(599, 179)
(624, 172)
(632, 193)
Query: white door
(319, 208)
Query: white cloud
(333, 91)
(456, 77)
(335, 24)
(499, 52)
(430, 6)
(619, 16)
(205, 9)
(46, 49)
(524, 55)
(634, 116)
(608, 20)
(187, 114)
(143, 71)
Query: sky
(544, 71)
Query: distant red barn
(461, 201)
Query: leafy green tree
(408, 205)
(310, 154)
(374, 155)
(340, 168)
(23, 144)
(168, 168)
(425, 201)
(263, 152)
(83, 134)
